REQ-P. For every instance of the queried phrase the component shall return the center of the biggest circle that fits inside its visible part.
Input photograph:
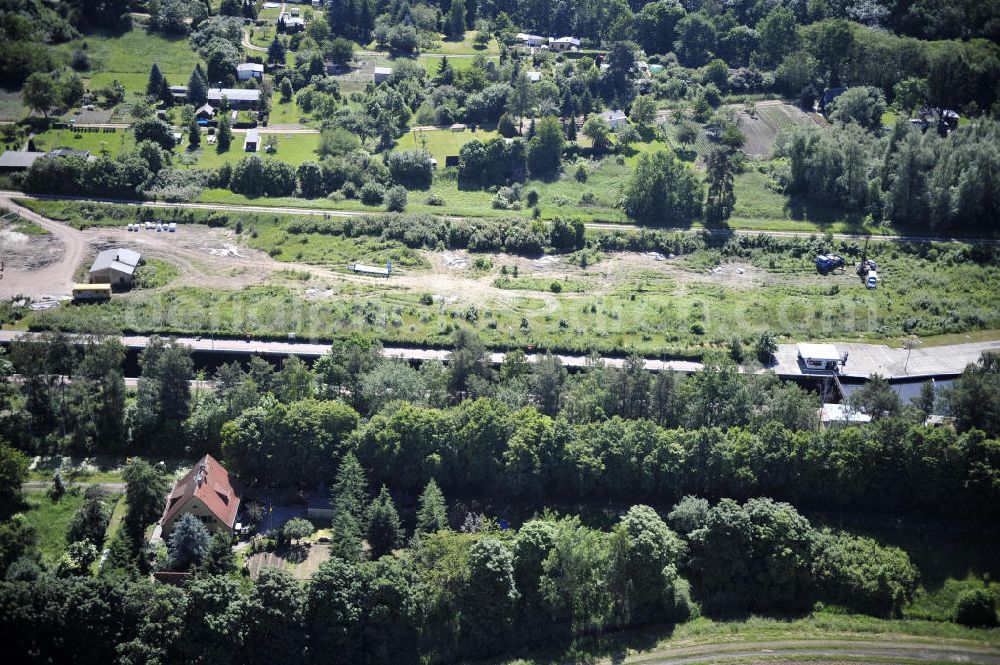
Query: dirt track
(52, 278)
(825, 651)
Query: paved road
(892, 650)
(590, 225)
(864, 359)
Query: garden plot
(762, 130)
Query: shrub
(371, 193)
(976, 608)
(555, 287)
(435, 200)
(395, 199)
(410, 168)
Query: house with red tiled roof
(205, 492)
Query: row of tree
(458, 594)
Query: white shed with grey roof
(115, 267)
(249, 70)
(252, 140)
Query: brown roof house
(206, 493)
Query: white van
(872, 280)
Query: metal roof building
(115, 267)
(18, 160)
(238, 98)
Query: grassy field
(129, 56)
(22, 225)
(11, 106)
(51, 520)
(653, 644)
(264, 35)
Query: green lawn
(284, 112)
(97, 142)
(442, 142)
(268, 14)
(117, 515)
(292, 149)
(263, 35)
(51, 520)
(464, 47)
(431, 62)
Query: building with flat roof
(819, 356)
(381, 74)
(18, 160)
(832, 415)
(238, 98)
(115, 267)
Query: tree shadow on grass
(295, 553)
(802, 209)
(554, 645)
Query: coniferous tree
(219, 559)
(432, 513)
(58, 488)
(345, 538)
(456, 19)
(155, 84)
(276, 52)
(197, 87)
(384, 531)
(194, 136)
(350, 489)
(224, 134)
(189, 543)
(721, 199)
